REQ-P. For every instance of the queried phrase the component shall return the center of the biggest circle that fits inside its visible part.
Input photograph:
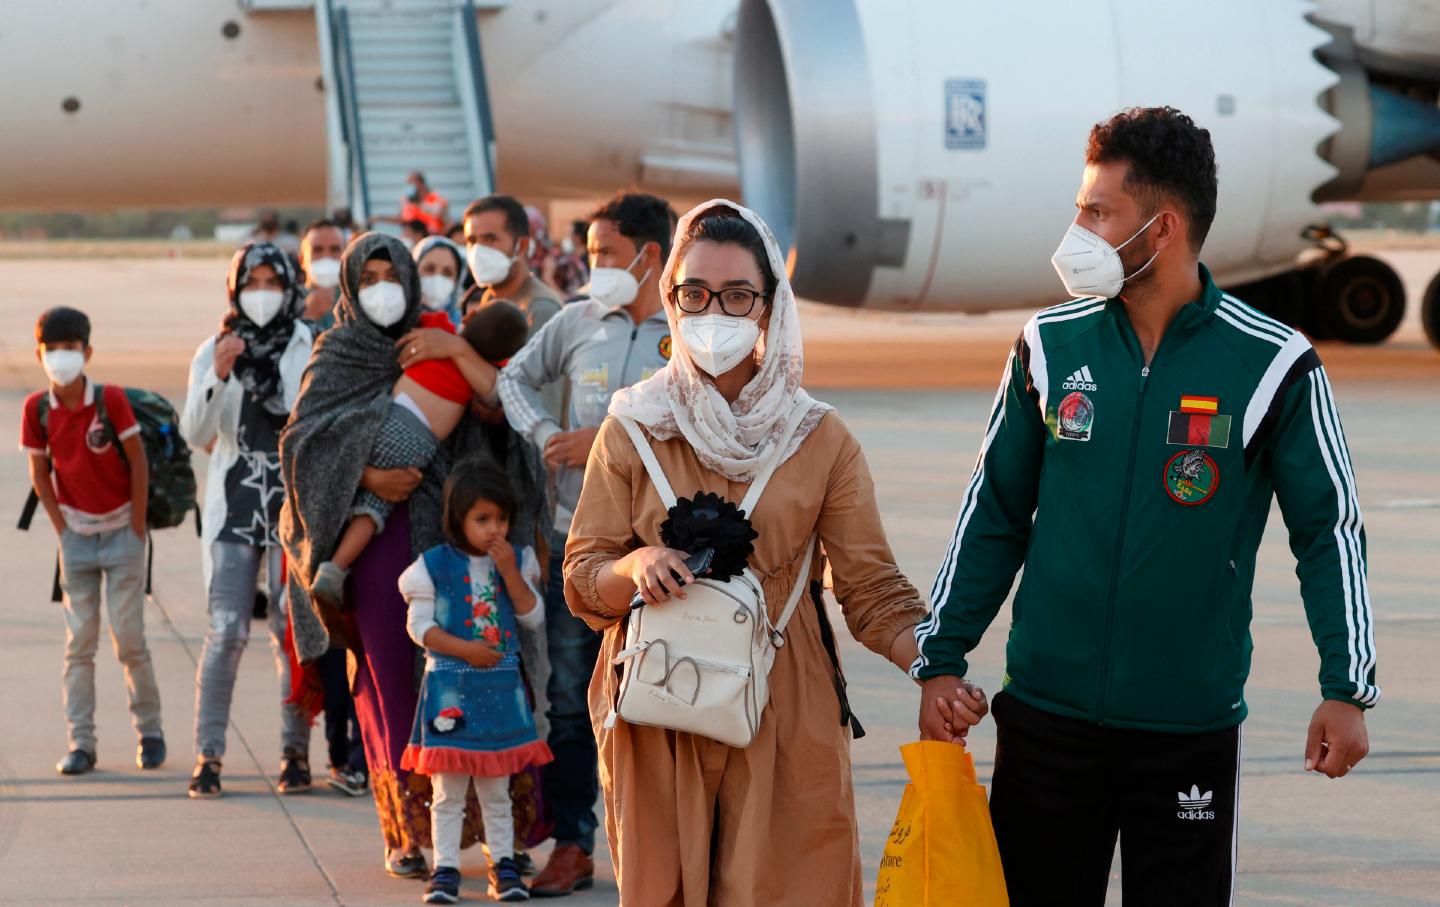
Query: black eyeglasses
(736, 302)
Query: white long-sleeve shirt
(418, 589)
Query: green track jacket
(1136, 498)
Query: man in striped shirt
(1138, 437)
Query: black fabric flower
(709, 521)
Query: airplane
(913, 155)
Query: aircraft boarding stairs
(406, 92)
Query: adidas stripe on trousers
(1064, 790)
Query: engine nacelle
(926, 155)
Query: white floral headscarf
(680, 400)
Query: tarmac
(916, 390)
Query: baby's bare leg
(357, 535)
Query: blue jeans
(235, 569)
(571, 783)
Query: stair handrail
(473, 88)
(337, 188)
(348, 103)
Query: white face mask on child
(63, 366)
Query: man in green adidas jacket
(1129, 463)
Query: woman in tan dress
(690, 820)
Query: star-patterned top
(254, 491)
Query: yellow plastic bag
(941, 849)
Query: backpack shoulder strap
(104, 417)
(100, 411)
(42, 409)
(647, 456)
(772, 463)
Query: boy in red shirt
(96, 501)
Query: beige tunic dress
(690, 820)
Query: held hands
(228, 348)
(653, 572)
(570, 448)
(1337, 739)
(949, 707)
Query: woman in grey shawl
(344, 398)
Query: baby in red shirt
(427, 403)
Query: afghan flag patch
(1198, 430)
(1209, 406)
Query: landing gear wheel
(1359, 300)
(1430, 311)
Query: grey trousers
(117, 558)
(233, 578)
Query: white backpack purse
(701, 664)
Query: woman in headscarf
(691, 820)
(343, 402)
(441, 264)
(243, 383)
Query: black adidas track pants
(1064, 790)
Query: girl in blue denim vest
(466, 600)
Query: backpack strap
(772, 463)
(32, 500)
(837, 675)
(647, 456)
(104, 417)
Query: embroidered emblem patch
(1198, 430)
(665, 347)
(1075, 417)
(1191, 477)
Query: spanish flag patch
(1207, 405)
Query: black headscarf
(259, 366)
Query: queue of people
(478, 492)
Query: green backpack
(172, 479)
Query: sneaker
(352, 783)
(76, 762)
(294, 773)
(444, 886)
(505, 882)
(151, 753)
(407, 866)
(329, 586)
(261, 609)
(205, 782)
(525, 863)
